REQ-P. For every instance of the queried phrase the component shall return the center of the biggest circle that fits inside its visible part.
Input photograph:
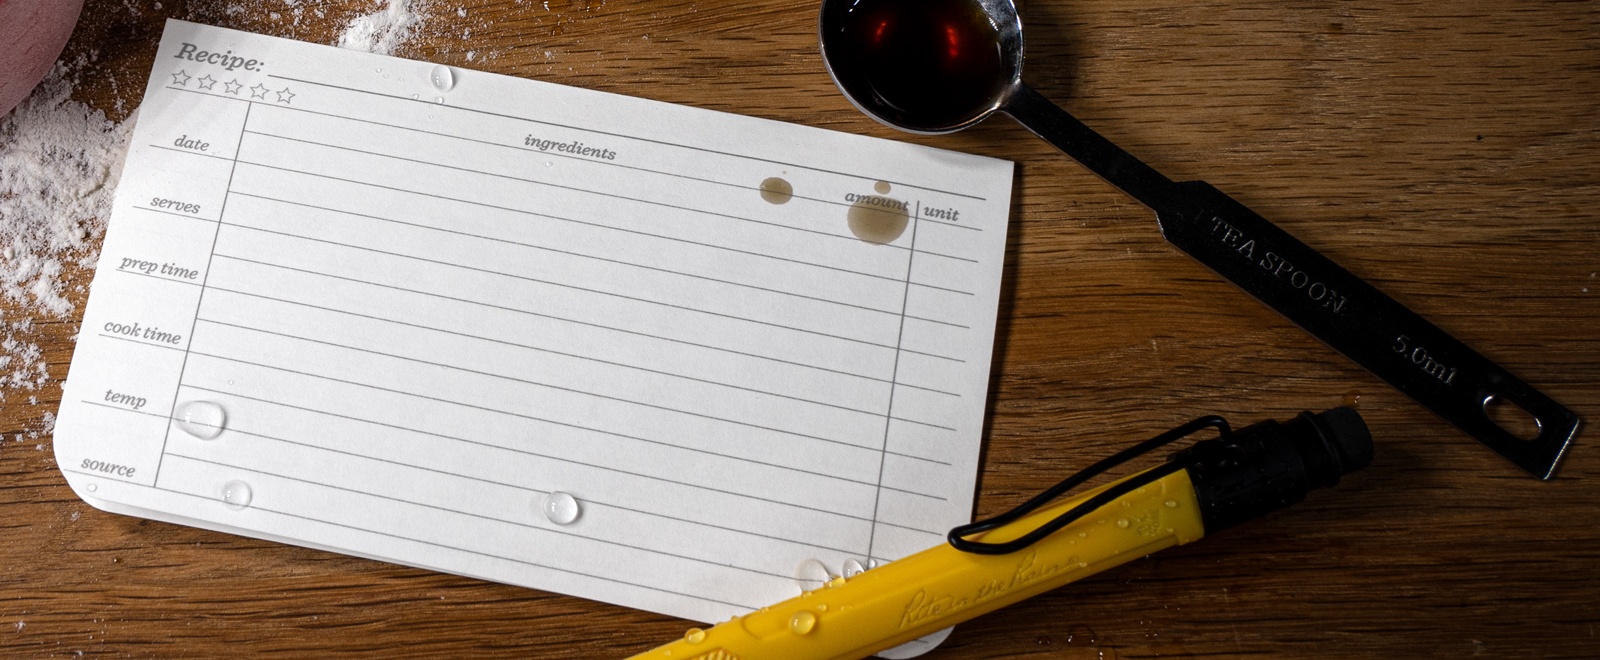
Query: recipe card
(673, 359)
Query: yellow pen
(1037, 547)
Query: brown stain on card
(776, 190)
(877, 219)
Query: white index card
(341, 308)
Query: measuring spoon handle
(1368, 326)
(1326, 300)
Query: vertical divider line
(894, 377)
(200, 300)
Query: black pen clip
(957, 535)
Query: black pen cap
(1268, 466)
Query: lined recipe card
(630, 351)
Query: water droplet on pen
(201, 419)
(802, 623)
(811, 574)
(236, 494)
(1083, 535)
(694, 636)
(442, 77)
(836, 583)
(1122, 522)
(853, 568)
(561, 508)
(1172, 504)
(822, 607)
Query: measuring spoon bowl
(923, 66)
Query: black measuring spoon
(937, 66)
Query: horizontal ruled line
(425, 542)
(691, 209)
(550, 154)
(633, 137)
(538, 214)
(158, 277)
(621, 262)
(524, 381)
(513, 450)
(235, 429)
(587, 500)
(574, 287)
(191, 152)
(578, 322)
(143, 343)
(180, 215)
(470, 514)
(543, 350)
(463, 404)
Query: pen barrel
(941, 586)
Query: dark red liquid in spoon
(926, 64)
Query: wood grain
(1446, 151)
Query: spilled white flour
(59, 162)
(384, 30)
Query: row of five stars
(182, 78)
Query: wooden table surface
(1449, 152)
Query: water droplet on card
(811, 574)
(853, 568)
(201, 419)
(442, 77)
(237, 495)
(561, 508)
(93, 487)
(802, 623)
(882, 187)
